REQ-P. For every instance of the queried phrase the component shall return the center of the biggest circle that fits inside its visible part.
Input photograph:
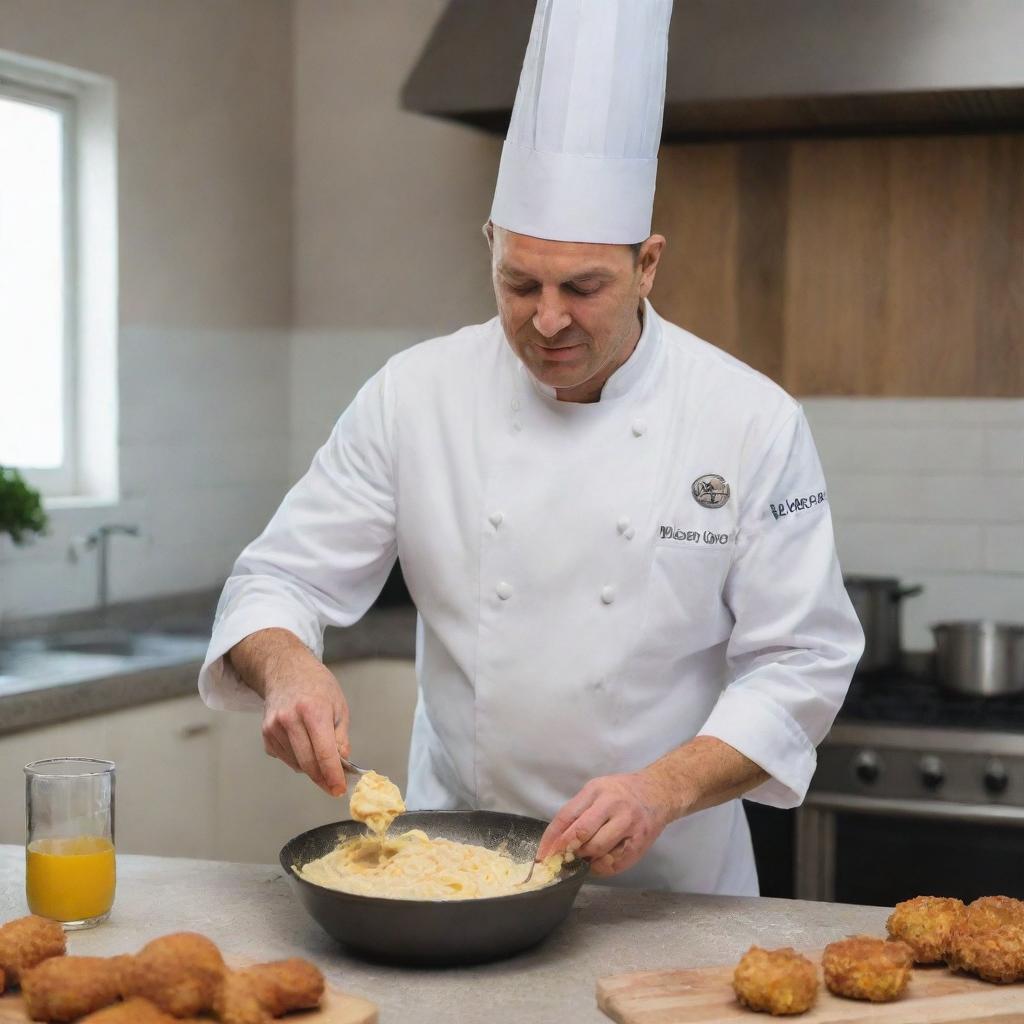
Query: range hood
(748, 68)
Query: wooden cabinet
(865, 266)
(192, 782)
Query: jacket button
(623, 524)
(516, 404)
(504, 590)
(630, 533)
(496, 519)
(516, 427)
(608, 595)
(639, 428)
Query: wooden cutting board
(336, 1008)
(704, 995)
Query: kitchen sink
(72, 656)
(101, 641)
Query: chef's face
(570, 310)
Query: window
(37, 364)
(58, 278)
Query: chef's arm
(614, 819)
(305, 719)
(700, 774)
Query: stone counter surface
(250, 912)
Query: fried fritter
(924, 924)
(27, 941)
(66, 987)
(286, 985)
(180, 973)
(989, 940)
(133, 1011)
(236, 1001)
(257, 994)
(862, 967)
(775, 981)
(988, 911)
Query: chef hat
(581, 155)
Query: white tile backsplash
(204, 448)
(904, 449)
(1004, 449)
(932, 491)
(1004, 550)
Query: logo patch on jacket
(710, 491)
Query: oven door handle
(992, 814)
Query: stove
(927, 785)
(915, 699)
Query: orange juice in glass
(69, 851)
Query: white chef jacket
(595, 583)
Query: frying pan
(437, 931)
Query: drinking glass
(69, 849)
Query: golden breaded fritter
(775, 981)
(132, 1011)
(862, 967)
(236, 1002)
(994, 910)
(64, 988)
(924, 924)
(180, 973)
(988, 941)
(27, 941)
(286, 985)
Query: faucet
(100, 539)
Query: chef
(617, 537)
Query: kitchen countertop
(248, 909)
(381, 633)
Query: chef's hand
(612, 822)
(305, 715)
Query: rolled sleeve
(246, 608)
(796, 638)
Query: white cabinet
(196, 783)
(85, 738)
(165, 755)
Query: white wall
(388, 207)
(204, 94)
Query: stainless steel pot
(982, 659)
(876, 600)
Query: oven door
(867, 850)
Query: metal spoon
(354, 769)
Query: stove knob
(933, 775)
(866, 766)
(996, 778)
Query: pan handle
(902, 592)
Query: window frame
(62, 481)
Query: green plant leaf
(21, 507)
